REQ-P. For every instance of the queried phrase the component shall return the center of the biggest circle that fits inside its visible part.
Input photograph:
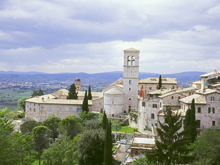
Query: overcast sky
(56, 36)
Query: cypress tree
(193, 132)
(104, 121)
(85, 103)
(159, 83)
(187, 123)
(108, 145)
(171, 146)
(89, 94)
(72, 92)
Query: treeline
(86, 139)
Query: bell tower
(78, 84)
(130, 78)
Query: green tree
(72, 92)
(14, 146)
(116, 126)
(89, 94)
(4, 111)
(37, 92)
(28, 126)
(104, 120)
(92, 124)
(159, 83)
(190, 123)
(70, 126)
(85, 105)
(172, 146)
(207, 147)
(21, 103)
(108, 145)
(40, 135)
(10, 115)
(90, 147)
(52, 123)
(142, 161)
(62, 152)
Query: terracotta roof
(114, 91)
(94, 94)
(44, 100)
(199, 99)
(215, 73)
(156, 80)
(180, 111)
(132, 50)
(207, 91)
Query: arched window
(133, 60)
(130, 81)
(129, 60)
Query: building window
(49, 108)
(197, 123)
(143, 104)
(212, 99)
(150, 88)
(154, 105)
(49, 115)
(77, 88)
(128, 60)
(152, 116)
(59, 109)
(160, 105)
(70, 109)
(60, 116)
(211, 110)
(172, 97)
(101, 110)
(142, 87)
(130, 81)
(34, 104)
(179, 97)
(112, 115)
(34, 109)
(78, 109)
(133, 60)
(112, 102)
(129, 108)
(129, 89)
(30, 109)
(38, 110)
(219, 100)
(129, 98)
(213, 123)
(199, 110)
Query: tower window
(129, 98)
(130, 81)
(133, 60)
(77, 88)
(212, 99)
(199, 109)
(143, 104)
(129, 89)
(172, 97)
(129, 60)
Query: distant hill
(183, 78)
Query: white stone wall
(41, 112)
(98, 105)
(113, 104)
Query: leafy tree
(116, 126)
(70, 126)
(159, 83)
(92, 124)
(190, 123)
(62, 152)
(52, 124)
(37, 92)
(90, 147)
(14, 145)
(4, 111)
(207, 147)
(172, 146)
(21, 103)
(28, 126)
(88, 116)
(89, 94)
(142, 161)
(72, 92)
(10, 115)
(40, 135)
(104, 121)
(108, 145)
(85, 105)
